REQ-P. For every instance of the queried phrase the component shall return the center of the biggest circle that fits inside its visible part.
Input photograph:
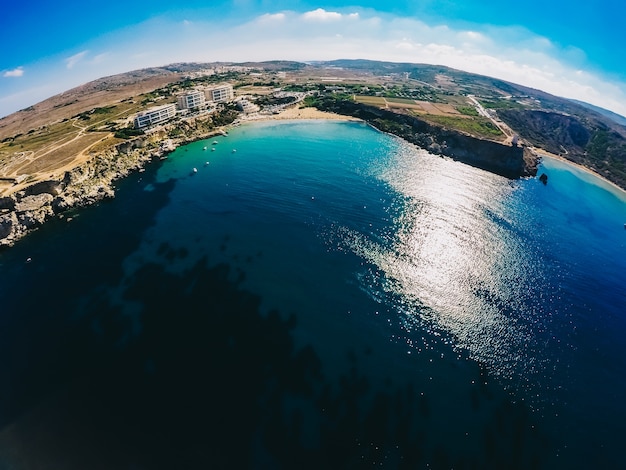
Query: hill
(618, 118)
(581, 133)
(65, 130)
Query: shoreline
(543, 153)
(297, 114)
(93, 180)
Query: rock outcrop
(510, 161)
(28, 209)
(91, 182)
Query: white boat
(203, 148)
(195, 170)
(215, 142)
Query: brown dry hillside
(101, 92)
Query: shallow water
(324, 296)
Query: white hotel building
(192, 100)
(155, 115)
(219, 93)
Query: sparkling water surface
(324, 294)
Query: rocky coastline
(26, 210)
(510, 161)
(91, 182)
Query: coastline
(543, 153)
(299, 113)
(92, 180)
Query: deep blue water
(324, 296)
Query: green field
(401, 101)
(478, 126)
(371, 100)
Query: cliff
(584, 139)
(26, 210)
(506, 160)
(91, 182)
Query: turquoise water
(318, 294)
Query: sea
(317, 294)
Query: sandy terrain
(300, 113)
(101, 92)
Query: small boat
(234, 150)
(195, 170)
(215, 142)
(206, 163)
(204, 148)
(213, 149)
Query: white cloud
(70, 62)
(17, 72)
(322, 15)
(269, 17)
(508, 53)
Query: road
(506, 130)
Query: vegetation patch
(401, 101)
(467, 111)
(501, 104)
(371, 100)
(477, 127)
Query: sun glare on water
(452, 262)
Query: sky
(568, 48)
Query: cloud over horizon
(509, 53)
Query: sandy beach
(543, 153)
(299, 113)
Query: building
(247, 106)
(155, 115)
(194, 99)
(219, 93)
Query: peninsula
(67, 151)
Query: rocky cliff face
(509, 161)
(586, 140)
(506, 160)
(28, 209)
(552, 131)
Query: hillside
(581, 133)
(64, 130)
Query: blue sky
(572, 49)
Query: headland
(69, 150)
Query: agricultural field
(415, 106)
(371, 100)
(479, 127)
(50, 149)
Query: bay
(318, 294)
